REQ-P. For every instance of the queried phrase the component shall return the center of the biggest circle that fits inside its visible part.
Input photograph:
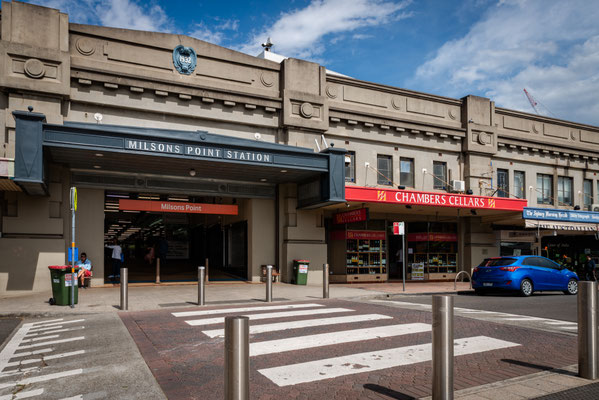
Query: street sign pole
(399, 228)
(73, 277)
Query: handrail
(455, 282)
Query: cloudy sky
(490, 48)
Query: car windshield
(497, 262)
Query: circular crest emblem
(184, 59)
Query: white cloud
(299, 33)
(129, 14)
(217, 34)
(551, 47)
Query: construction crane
(532, 101)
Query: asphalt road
(553, 305)
(7, 325)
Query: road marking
(8, 351)
(32, 353)
(42, 378)
(78, 397)
(77, 328)
(220, 320)
(561, 323)
(52, 357)
(332, 338)
(523, 319)
(38, 323)
(39, 338)
(373, 361)
(35, 329)
(52, 342)
(44, 329)
(283, 326)
(22, 395)
(243, 309)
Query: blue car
(525, 274)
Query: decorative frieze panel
(305, 110)
(516, 124)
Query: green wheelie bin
(62, 284)
(300, 271)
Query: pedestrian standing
(590, 269)
(117, 254)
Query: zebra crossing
(291, 337)
(495, 316)
(27, 358)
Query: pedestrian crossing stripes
(37, 339)
(304, 323)
(373, 361)
(244, 309)
(320, 316)
(284, 314)
(331, 338)
(494, 316)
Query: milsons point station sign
(198, 151)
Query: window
(564, 191)
(439, 175)
(544, 189)
(385, 169)
(406, 172)
(503, 183)
(350, 168)
(519, 184)
(588, 194)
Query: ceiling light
(283, 170)
(192, 172)
(263, 180)
(97, 167)
(99, 155)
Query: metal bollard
(588, 346)
(269, 283)
(237, 358)
(442, 347)
(325, 281)
(201, 287)
(124, 289)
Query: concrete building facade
(71, 94)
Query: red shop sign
(366, 235)
(432, 237)
(177, 207)
(361, 214)
(435, 199)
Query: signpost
(399, 228)
(73, 198)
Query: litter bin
(62, 284)
(300, 271)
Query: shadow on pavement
(537, 366)
(388, 392)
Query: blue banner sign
(552, 214)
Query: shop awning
(562, 225)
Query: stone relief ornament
(184, 59)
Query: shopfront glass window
(439, 175)
(406, 172)
(503, 186)
(519, 184)
(350, 168)
(544, 189)
(564, 191)
(385, 169)
(587, 194)
(432, 250)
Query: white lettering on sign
(198, 151)
(439, 199)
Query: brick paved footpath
(189, 365)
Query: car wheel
(479, 292)
(572, 287)
(526, 287)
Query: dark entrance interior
(395, 256)
(179, 242)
